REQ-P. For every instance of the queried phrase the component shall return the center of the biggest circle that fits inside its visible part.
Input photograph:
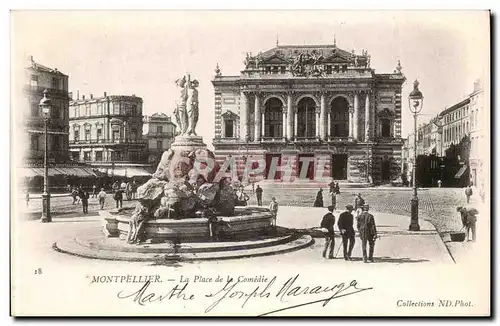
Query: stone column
(284, 125)
(295, 120)
(356, 116)
(257, 115)
(317, 123)
(290, 116)
(263, 126)
(367, 117)
(351, 122)
(235, 129)
(223, 127)
(329, 123)
(322, 117)
(243, 116)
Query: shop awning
(461, 172)
(128, 172)
(54, 171)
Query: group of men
(365, 224)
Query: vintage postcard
(250, 163)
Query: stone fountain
(187, 210)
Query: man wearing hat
(358, 204)
(367, 232)
(346, 228)
(328, 223)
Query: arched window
(273, 118)
(339, 116)
(306, 118)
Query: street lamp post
(415, 103)
(45, 106)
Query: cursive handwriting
(289, 289)
(144, 296)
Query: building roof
(455, 106)
(39, 67)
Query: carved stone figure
(192, 107)
(181, 110)
(137, 222)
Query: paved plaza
(391, 208)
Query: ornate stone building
(106, 133)
(159, 132)
(303, 103)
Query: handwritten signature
(232, 290)
(288, 290)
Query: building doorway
(386, 170)
(339, 117)
(339, 167)
(306, 118)
(310, 166)
(273, 119)
(275, 169)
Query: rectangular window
(55, 83)
(344, 68)
(75, 156)
(275, 69)
(34, 142)
(98, 156)
(133, 134)
(99, 134)
(159, 145)
(87, 110)
(134, 156)
(77, 135)
(329, 70)
(283, 69)
(87, 135)
(34, 81)
(34, 109)
(386, 128)
(229, 127)
(116, 134)
(86, 156)
(159, 130)
(116, 108)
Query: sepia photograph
(244, 163)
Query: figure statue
(192, 106)
(368, 60)
(181, 111)
(186, 113)
(356, 61)
(247, 61)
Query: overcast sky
(144, 52)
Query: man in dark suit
(367, 232)
(346, 228)
(328, 223)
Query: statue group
(186, 113)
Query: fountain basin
(247, 222)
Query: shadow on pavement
(391, 260)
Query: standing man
(27, 197)
(367, 232)
(85, 202)
(101, 197)
(469, 220)
(468, 192)
(94, 191)
(333, 195)
(273, 207)
(346, 228)
(318, 202)
(328, 223)
(258, 193)
(359, 202)
(118, 196)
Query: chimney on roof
(77, 94)
(91, 96)
(105, 94)
(83, 97)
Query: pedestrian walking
(439, 183)
(128, 191)
(102, 197)
(116, 185)
(328, 223)
(367, 232)
(358, 204)
(27, 198)
(331, 186)
(118, 197)
(337, 188)
(346, 228)
(94, 191)
(318, 202)
(74, 194)
(273, 207)
(85, 202)
(469, 219)
(258, 193)
(333, 196)
(468, 193)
